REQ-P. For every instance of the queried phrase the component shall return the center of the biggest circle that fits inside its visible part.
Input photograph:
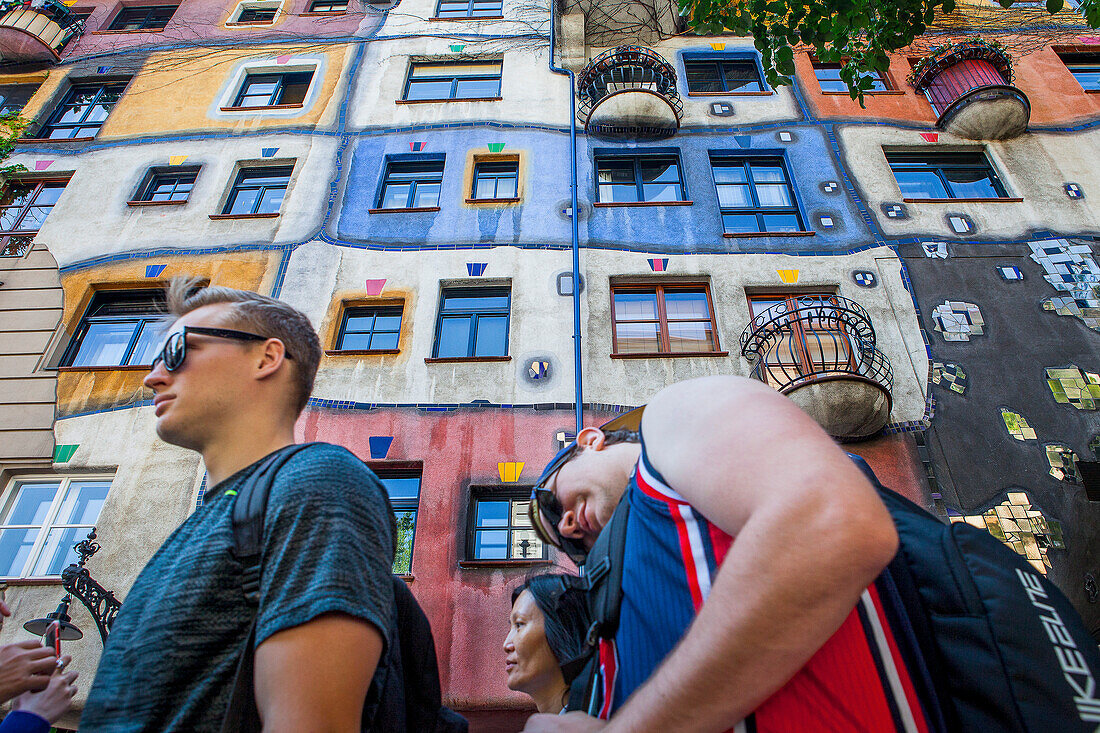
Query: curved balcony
(629, 92)
(36, 31)
(820, 351)
(970, 87)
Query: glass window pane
(970, 183)
(780, 223)
(740, 223)
(426, 195)
(271, 201)
(148, 342)
(492, 513)
(384, 340)
(15, 548)
(401, 487)
(703, 76)
(453, 302)
(32, 503)
(294, 90)
(104, 344)
(387, 323)
(58, 552)
(355, 342)
(686, 304)
(631, 338)
(525, 545)
(635, 306)
(396, 195)
(454, 337)
(485, 188)
(734, 195)
(492, 336)
(49, 194)
(741, 76)
(429, 89)
(920, 185)
(406, 530)
(82, 502)
(477, 88)
(242, 202)
(491, 544)
(774, 195)
(359, 323)
(730, 174)
(690, 336)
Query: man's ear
(271, 357)
(591, 438)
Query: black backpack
(991, 645)
(404, 694)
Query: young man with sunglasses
(235, 372)
(751, 541)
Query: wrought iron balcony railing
(36, 30)
(629, 91)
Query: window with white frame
(255, 13)
(43, 517)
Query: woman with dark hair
(545, 639)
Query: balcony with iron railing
(36, 30)
(969, 85)
(821, 352)
(629, 92)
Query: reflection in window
(168, 184)
(271, 90)
(328, 6)
(663, 319)
(82, 111)
(755, 195)
(945, 176)
(502, 530)
(631, 179)
(257, 15)
(143, 18)
(828, 76)
(1085, 68)
(259, 190)
(711, 76)
(370, 329)
(14, 97)
(440, 82)
(496, 180)
(473, 322)
(403, 487)
(24, 206)
(121, 328)
(43, 519)
(413, 185)
(469, 9)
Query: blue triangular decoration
(476, 269)
(154, 270)
(742, 141)
(269, 152)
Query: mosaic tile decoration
(457, 47)
(895, 211)
(564, 438)
(1063, 464)
(64, 453)
(1020, 526)
(830, 187)
(827, 222)
(721, 109)
(177, 159)
(538, 369)
(1017, 425)
(476, 269)
(1072, 386)
(658, 264)
(951, 376)
(930, 136)
(785, 137)
(495, 147)
(1074, 191)
(935, 250)
(1010, 273)
(154, 270)
(743, 141)
(864, 278)
(104, 69)
(957, 320)
(282, 59)
(789, 277)
(269, 152)
(510, 471)
(379, 446)
(417, 146)
(374, 286)
(1071, 269)
(960, 224)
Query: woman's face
(529, 663)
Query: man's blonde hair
(257, 314)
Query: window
(496, 180)
(120, 328)
(811, 342)
(501, 529)
(945, 176)
(143, 18)
(256, 14)
(717, 76)
(43, 519)
(258, 190)
(632, 179)
(473, 322)
(403, 487)
(470, 9)
(663, 319)
(755, 195)
(413, 185)
(440, 82)
(273, 90)
(24, 206)
(328, 6)
(828, 76)
(1085, 68)
(82, 111)
(168, 184)
(370, 329)
(14, 97)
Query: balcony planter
(821, 353)
(35, 31)
(969, 85)
(629, 92)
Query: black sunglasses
(175, 348)
(545, 512)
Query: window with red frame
(24, 205)
(808, 338)
(663, 319)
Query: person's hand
(54, 701)
(576, 722)
(25, 665)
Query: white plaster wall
(91, 219)
(1033, 166)
(521, 17)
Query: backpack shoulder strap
(248, 518)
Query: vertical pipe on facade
(577, 384)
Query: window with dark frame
(328, 6)
(168, 184)
(24, 206)
(473, 322)
(828, 76)
(1085, 68)
(14, 97)
(500, 528)
(82, 111)
(258, 190)
(665, 319)
(496, 180)
(411, 185)
(370, 328)
(639, 178)
(257, 15)
(273, 90)
(439, 82)
(120, 328)
(755, 195)
(803, 345)
(945, 176)
(403, 487)
(718, 76)
(143, 18)
(469, 9)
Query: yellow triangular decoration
(176, 159)
(790, 277)
(510, 471)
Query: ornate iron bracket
(99, 601)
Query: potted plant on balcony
(947, 55)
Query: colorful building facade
(917, 273)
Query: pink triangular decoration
(374, 287)
(930, 136)
(282, 59)
(1089, 39)
(41, 165)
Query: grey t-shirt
(328, 547)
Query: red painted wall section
(894, 460)
(908, 106)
